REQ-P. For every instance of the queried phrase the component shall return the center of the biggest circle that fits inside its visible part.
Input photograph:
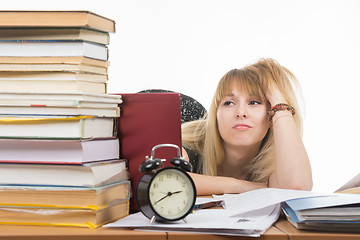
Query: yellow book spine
(20, 120)
(86, 224)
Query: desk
(295, 234)
(282, 230)
(73, 233)
(272, 233)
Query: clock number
(168, 175)
(161, 178)
(156, 185)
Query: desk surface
(282, 230)
(71, 233)
(295, 234)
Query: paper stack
(246, 214)
(58, 125)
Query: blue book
(337, 212)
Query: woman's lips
(241, 127)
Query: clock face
(172, 194)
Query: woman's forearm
(293, 169)
(208, 185)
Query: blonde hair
(203, 135)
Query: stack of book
(335, 213)
(59, 151)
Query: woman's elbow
(300, 185)
(294, 184)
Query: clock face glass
(171, 194)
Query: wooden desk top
(295, 234)
(71, 233)
(272, 233)
(282, 230)
(10, 232)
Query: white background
(188, 45)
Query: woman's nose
(241, 112)
(241, 116)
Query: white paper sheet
(210, 221)
(246, 214)
(261, 198)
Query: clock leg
(184, 219)
(152, 219)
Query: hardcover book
(57, 151)
(54, 19)
(57, 127)
(92, 174)
(148, 119)
(64, 196)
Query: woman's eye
(254, 102)
(228, 103)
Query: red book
(146, 120)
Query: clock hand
(167, 195)
(176, 192)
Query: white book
(58, 151)
(86, 175)
(45, 110)
(53, 86)
(59, 99)
(57, 127)
(53, 48)
(77, 96)
(58, 75)
(51, 67)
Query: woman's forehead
(240, 86)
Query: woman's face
(242, 119)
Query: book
(57, 151)
(48, 76)
(354, 190)
(58, 110)
(55, 48)
(352, 186)
(92, 174)
(50, 67)
(148, 119)
(64, 196)
(56, 19)
(337, 212)
(74, 217)
(54, 60)
(54, 34)
(57, 127)
(53, 86)
(66, 97)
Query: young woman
(251, 137)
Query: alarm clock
(165, 194)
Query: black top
(195, 160)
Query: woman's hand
(274, 95)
